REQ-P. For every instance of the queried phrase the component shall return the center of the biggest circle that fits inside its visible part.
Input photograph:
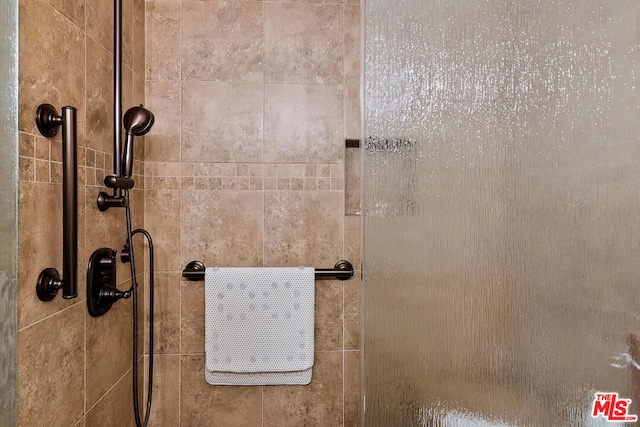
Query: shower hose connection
(134, 291)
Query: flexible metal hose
(134, 287)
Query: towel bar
(343, 270)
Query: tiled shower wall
(73, 369)
(246, 167)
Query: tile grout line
(344, 198)
(109, 389)
(85, 312)
(264, 214)
(264, 96)
(83, 300)
(181, 209)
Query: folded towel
(259, 378)
(259, 325)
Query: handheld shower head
(137, 121)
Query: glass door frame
(8, 209)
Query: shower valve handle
(110, 294)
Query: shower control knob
(101, 282)
(109, 294)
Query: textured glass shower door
(8, 208)
(502, 211)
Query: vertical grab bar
(49, 280)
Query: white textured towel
(259, 378)
(259, 325)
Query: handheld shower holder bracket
(117, 181)
(106, 201)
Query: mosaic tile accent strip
(244, 176)
(40, 160)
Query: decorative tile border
(244, 176)
(40, 160)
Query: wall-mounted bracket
(48, 120)
(48, 284)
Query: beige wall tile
(139, 145)
(352, 305)
(163, 220)
(42, 171)
(352, 119)
(108, 349)
(137, 202)
(352, 387)
(139, 97)
(318, 404)
(143, 368)
(56, 172)
(222, 122)
(233, 51)
(206, 405)
(303, 43)
(162, 144)
(303, 228)
(83, 257)
(352, 44)
(127, 32)
(50, 370)
(328, 315)
(100, 22)
(40, 237)
(72, 9)
(99, 97)
(115, 408)
(166, 313)
(139, 37)
(192, 319)
(162, 40)
(165, 402)
(352, 240)
(303, 124)
(127, 90)
(223, 228)
(313, 1)
(26, 169)
(352, 182)
(26, 145)
(56, 74)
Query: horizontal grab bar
(343, 270)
